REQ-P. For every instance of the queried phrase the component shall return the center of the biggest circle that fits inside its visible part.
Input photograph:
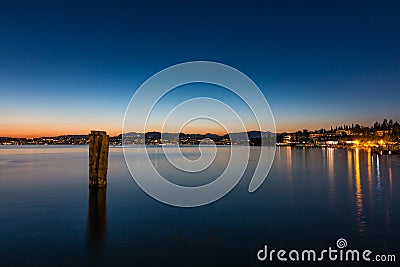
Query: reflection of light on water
(331, 160)
(379, 196)
(390, 177)
(359, 195)
(330, 156)
(289, 161)
(378, 174)
(388, 209)
(350, 168)
(369, 166)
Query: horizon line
(114, 133)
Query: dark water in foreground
(311, 198)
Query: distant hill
(252, 137)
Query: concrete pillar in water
(98, 158)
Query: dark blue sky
(68, 66)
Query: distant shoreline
(381, 137)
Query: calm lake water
(312, 197)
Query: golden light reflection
(359, 195)
(350, 167)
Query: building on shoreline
(383, 136)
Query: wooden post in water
(98, 158)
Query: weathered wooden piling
(98, 158)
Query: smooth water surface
(312, 197)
